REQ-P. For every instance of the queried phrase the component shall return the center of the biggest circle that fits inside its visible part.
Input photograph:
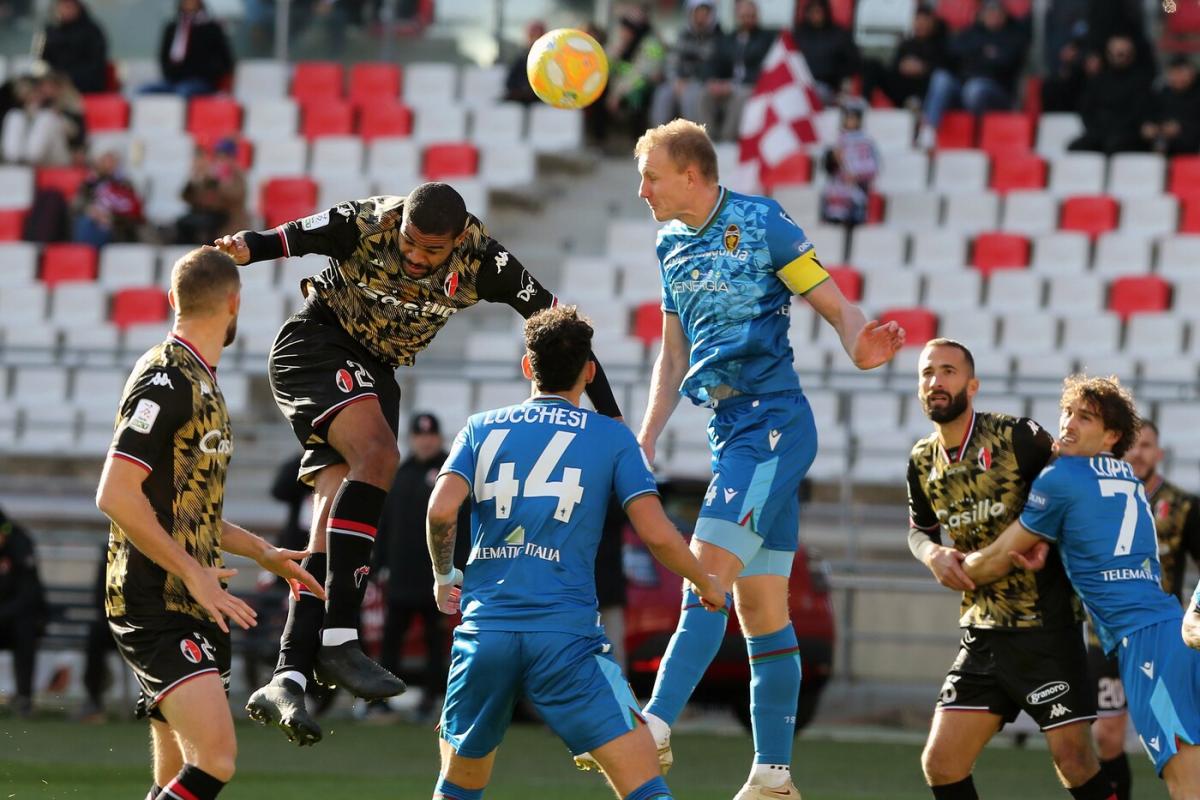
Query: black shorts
(316, 369)
(1105, 673)
(1043, 673)
(167, 650)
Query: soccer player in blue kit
(1091, 505)
(730, 264)
(540, 475)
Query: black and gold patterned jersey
(1177, 523)
(971, 494)
(173, 423)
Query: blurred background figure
(402, 562)
(687, 66)
(637, 60)
(22, 609)
(194, 54)
(74, 44)
(1117, 101)
(905, 79)
(46, 128)
(733, 72)
(216, 197)
(828, 48)
(108, 207)
(1174, 124)
(1066, 76)
(852, 165)
(516, 82)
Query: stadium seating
(1139, 294)
(1029, 212)
(1091, 215)
(105, 112)
(136, 306)
(994, 251)
(956, 131)
(1184, 176)
(319, 81)
(214, 117)
(12, 220)
(327, 117)
(848, 280)
(448, 161)
(377, 120)
(795, 169)
(1018, 171)
(65, 179)
(374, 83)
(920, 324)
(285, 199)
(68, 262)
(1006, 134)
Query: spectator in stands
(734, 71)
(637, 61)
(828, 48)
(906, 79)
(47, 129)
(851, 165)
(402, 557)
(1065, 21)
(516, 83)
(1109, 18)
(22, 609)
(215, 194)
(1174, 127)
(193, 54)
(687, 66)
(75, 45)
(1117, 102)
(986, 61)
(1063, 85)
(108, 207)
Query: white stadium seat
(497, 124)
(29, 343)
(1121, 254)
(1030, 212)
(906, 171)
(1123, 366)
(1011, 291)
(337, 156)
(19, 261)
(44, 385)
(1063, 253)
(258, 79)
(128, 264)
(16, 186)
(896, 289)
(913, 211)
(430, 84)
(509, 165)
(98, 389)
(1055, 131)
(802, 203)
(138, 72)
(873, 412)
(1069, 295)
(891, 128)
(976, 330)
(78, 304)
(285, 156)
(938, 250)
(393, 159)
(482, 85)
(154, 114)
(1077, 173)
(1179, 256)
(268, 118)
(1091, 334)
(960, 171)
(972, 212)
(1028, 332)
(829, 241)
(1151, 216)
(875, 247)
(444, 123)
(1136, 174)
(92, 346)
(952, 291)
(335, 188)
(1151, 334)
(23, 304)
(1041, 371)
(555, 129)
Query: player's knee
(1076, 761)
(941, 765)
(376, 461)
(221, 763)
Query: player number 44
(506, 488)
(1133, 493)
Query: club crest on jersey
(191, 651)
(360, 576)
(451, 285)
(985, 459)
(733, 235)
(344, 380)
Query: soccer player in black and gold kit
(1022, 643)
(400, 268)
(1177, 524)
(163, 487)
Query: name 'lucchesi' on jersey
(369, 295)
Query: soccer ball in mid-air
(567, 68)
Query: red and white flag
(779, 119)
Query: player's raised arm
(669, 368)
(1191, 621)
(869, 343)
(333, 232)
(276, 560)
(503, 279)
(667, 545)
(996, 560)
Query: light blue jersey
(541, 474)
(1096, 510)
(731, 281)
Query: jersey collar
(191, 348)
(717, 208)
(962, 448)
(551, 398)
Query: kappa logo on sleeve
(161, 379)
(144, 415)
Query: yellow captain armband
(803, 274)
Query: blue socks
(692, 648)
(445, 790)
(653, 789)
(774, 692)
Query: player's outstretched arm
(284, 563)
(121, 498)
(868, 343)
(669, 369)
(668, 546)
(441, 527)
(997, 559)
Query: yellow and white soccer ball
(567, 68)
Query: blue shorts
(1162, 688)
(762, 448)
(571, 680)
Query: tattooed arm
(441, 528)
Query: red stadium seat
(1139, 294)
(135, 306)
(380, 120)
(875, 208)
(1092, 215)
(842, 12)
(957, 131)
(374, 83)
(285, 199)
(65, 179)
(957, 14)
(450, 161)
(795, 169)
(920, 324)
(1181, 29)
(1018, 171)
(848, 279)
(105, 112)
(317, 80)
(1006, 133)
(994, 251)
(647, 322)
(1184, 177)
(12, 221)
(214, 116)
(327, 118)
(1189, 219)
(245, 148)
(68, 262)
